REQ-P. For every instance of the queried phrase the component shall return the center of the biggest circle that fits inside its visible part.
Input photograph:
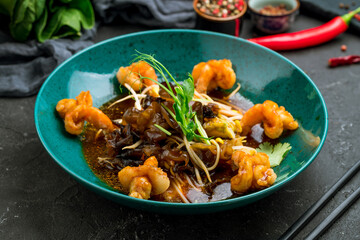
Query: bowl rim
(219, 19)
(252, 10)
(127, 198)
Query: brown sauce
(95, 147)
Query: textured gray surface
(38, 200)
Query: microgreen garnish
(163, 129)
(184, 115)
(121, 88)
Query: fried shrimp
(144, 180)
(137, 75)
(84, 98)
(254, 171)
(74, 120)
(66, 105)
(75, 112)
(212, 74)
(275, 119)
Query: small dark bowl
(229, 25)
(273, 24)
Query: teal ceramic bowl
(262, 73)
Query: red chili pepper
(357, 16)
(347, 60)
(309, 37)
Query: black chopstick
(314, 209)
(326, 223)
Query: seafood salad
(178, 140)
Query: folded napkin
(156, 13)
(25, 66)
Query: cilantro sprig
(276, 153)
(182, 96)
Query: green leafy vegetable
(276, 153)
(65, 18)
(47, 19)
(183, 113)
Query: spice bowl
(224, 16)
(273, 16)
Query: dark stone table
(39, 200)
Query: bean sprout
(233, 92)
(135, 145)
(182, 196)
(217, 155)
(137, 101)
(126, 98)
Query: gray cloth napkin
(157, 13)
(25, 66)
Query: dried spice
(346, 60)
(357, 17)
(274, 10)
(220, 8)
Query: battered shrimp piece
(84, 98)
(144, 180)
(66, 105)
(171, 195)
(74, 120)
(132, 76)
(275, 119)
(254, 171)
(287, 119)
(212, 74)
(75, 112)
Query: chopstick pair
(314, 209)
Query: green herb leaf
(188, 89)
(276, 153)
(184, 115)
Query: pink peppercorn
(220, 8)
